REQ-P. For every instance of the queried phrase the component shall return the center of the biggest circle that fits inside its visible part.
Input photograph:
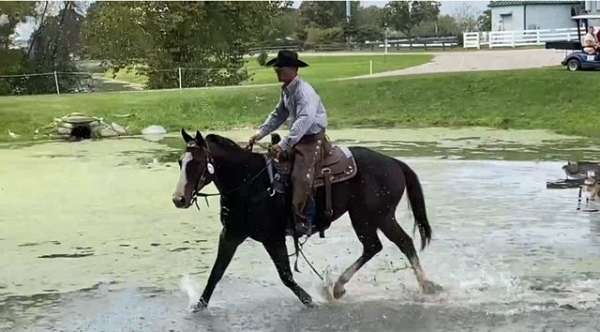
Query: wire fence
(93, 77)
(99, 81)
(132, 79)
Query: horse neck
(232, 169)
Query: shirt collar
(291, 88)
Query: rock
(119, 129)
(108, 132)
(63, 131)
(154, 130)
(13, 135)
(78, 118)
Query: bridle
(208, 174)
(270, 192)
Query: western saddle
(337, 165)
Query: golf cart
(577, 59)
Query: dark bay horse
(247, 209)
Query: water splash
(191, 288)
(325, 287)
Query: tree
(447, 26)
(368, 33)
(322, 14)
(466, 17)
(325, 15)
(484, 22)
(210, 37)
(281, 26)
(404, 16)
(51, 47)
(369, 23)
(369, 16)
(11, 13)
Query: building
(530, 15)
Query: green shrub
(262, 58)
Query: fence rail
(516, 38)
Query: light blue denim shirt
(302, 105)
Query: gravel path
(480, 61)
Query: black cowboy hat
(286, 58)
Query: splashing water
(191, 288)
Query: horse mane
(228, 146)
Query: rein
(197, 194)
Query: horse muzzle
(181, 202)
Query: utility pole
(348, 16)
(348, 10)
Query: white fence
(517, 37)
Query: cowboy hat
(286, 58)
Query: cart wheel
(573, 65)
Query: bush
(5, 88)
(262, 58)
(316, 36)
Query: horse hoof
(310, 304)
(200, 306)
(430, 287)
(338, 291)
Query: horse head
(196, 169)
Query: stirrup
(303, 228)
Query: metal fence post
(56, 83)
(179, 71)
(386, 40)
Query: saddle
(338, 165)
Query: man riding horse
(306, 142)
(250, 209)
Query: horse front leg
(278, 252)
(227, 246)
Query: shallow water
(90, 241)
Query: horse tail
(417, 204)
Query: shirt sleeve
(274, 120)
(307, 105)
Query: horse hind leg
(396, 234)
(367, 235)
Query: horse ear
(199, 138)
(186, 136)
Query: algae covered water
(90, 241)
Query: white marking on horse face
(180, 189)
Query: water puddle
(88, 231)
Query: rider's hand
(253, 139)
(277, 151)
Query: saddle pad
(339, 165)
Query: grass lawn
(331, 67)
(127, 75)
(538, 98)
(321, 67)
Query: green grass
(551, 98)
(332, 67)
(128, 75)
(321, 67)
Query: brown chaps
(308, 155)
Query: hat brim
(290, 63)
